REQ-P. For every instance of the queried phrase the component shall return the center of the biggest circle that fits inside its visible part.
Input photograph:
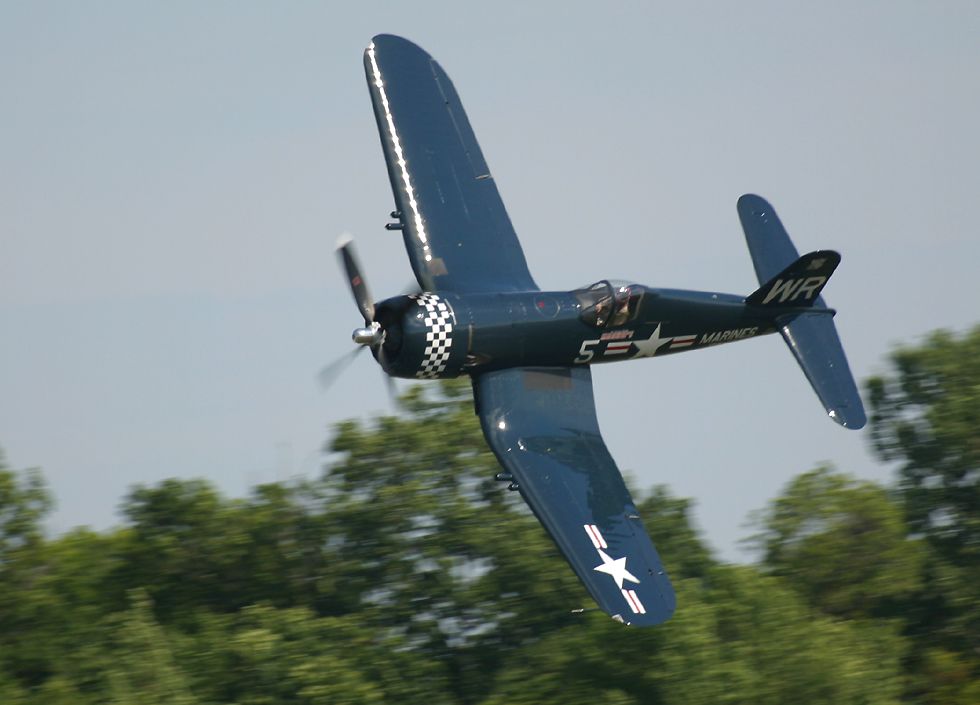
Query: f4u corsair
(528, 352)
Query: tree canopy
(406, 574)
(925, 416)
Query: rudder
(800, 283)
(769, 244)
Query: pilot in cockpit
(622, 306)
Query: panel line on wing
(403, 165)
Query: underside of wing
(456, 230)
(541, 424)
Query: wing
(455, 227)
(541, 424)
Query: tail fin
(772, 250)
(800, 283)
(790, 280)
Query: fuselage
(446, 334)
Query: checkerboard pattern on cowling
(439, 337)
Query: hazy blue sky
(174, 177)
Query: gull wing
(541, 424)
(456, 230)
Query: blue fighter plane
(528, 352)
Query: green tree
(24, 502)
(737, 637)
(842, 544)
(668, 521)
(141, 668)
(406, 574)
(183, 547)
(11, 692)
(426, 542)
(925, 416)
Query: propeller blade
(392, 390)
(331, 373)
(389, 380)
(358, 287)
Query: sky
(175, 175)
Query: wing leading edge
(541, 424)
(456, 229)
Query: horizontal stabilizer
(812, 338)
(800, 283)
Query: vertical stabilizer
(769, 244)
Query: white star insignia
(649, 347)
(616, 568)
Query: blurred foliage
(841, 543)
(925, 417)
(405, 574)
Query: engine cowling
(424, 337)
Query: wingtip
(849, 420)
(395, 43)
(344, 239)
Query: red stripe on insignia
(593, 531)
(634, 602)
(636, 599)
(616, 348)
(629, 600)
(686, 340)
(588, 530)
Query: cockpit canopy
(609, 304)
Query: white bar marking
(634, 602)
(593, 531)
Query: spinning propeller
(372, 335)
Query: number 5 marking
(585, 355)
